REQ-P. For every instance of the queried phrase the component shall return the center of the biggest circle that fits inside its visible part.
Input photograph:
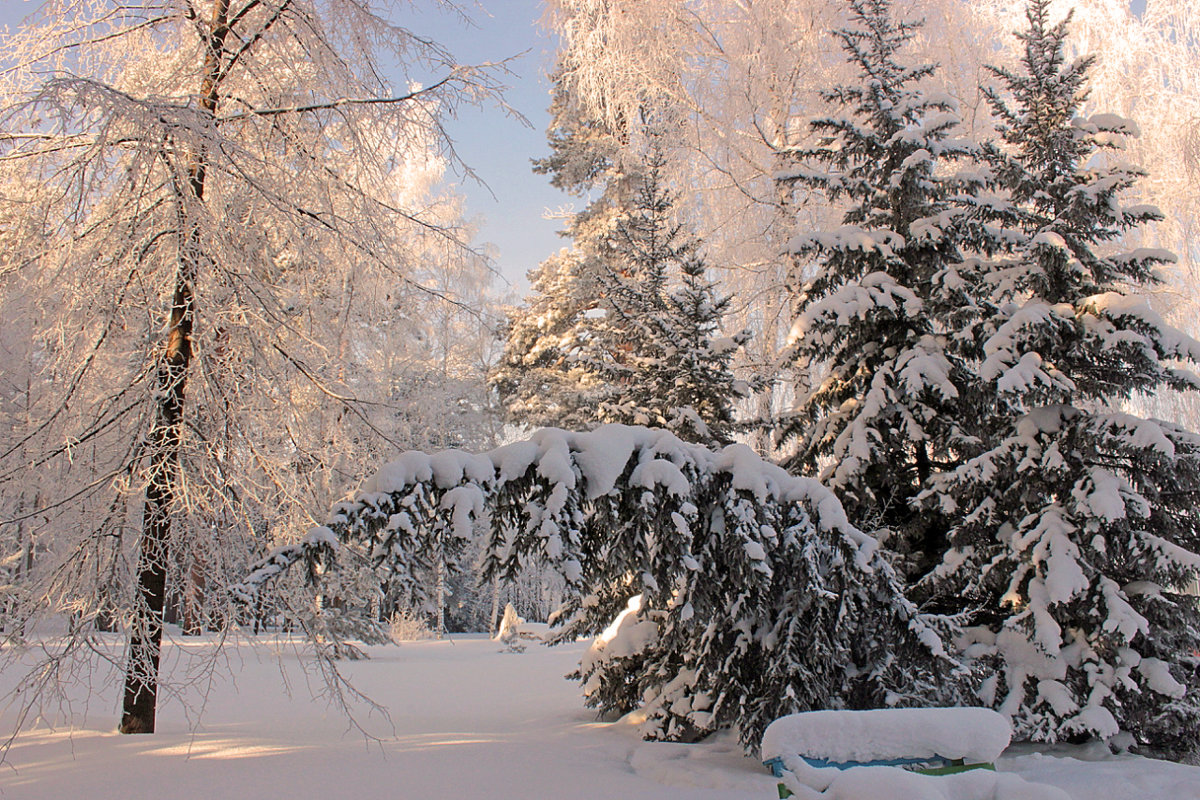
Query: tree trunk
(145, 634)
(193, 599)
(146, 625)
(441, 597)
(9, 603)
(492, 620)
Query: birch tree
(221, 205)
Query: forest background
(309, 377)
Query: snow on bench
(934, 740)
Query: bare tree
(221, 204)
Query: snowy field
(467, 721)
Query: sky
(514, 201)
(511, 203)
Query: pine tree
(537, 383)
(878, 316)
(654, 349)
(1076, 531)
(704, 388)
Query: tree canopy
(226, 210)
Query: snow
(1172, 553)
(467, 721)
(926, 368)
(754, 551)
(660, 473)
(1058, 552)
(1092, 773)
(1106, 499)
(321, 535)
(1121, 618)
(1172, 342)
(603, 465)
(1005, 362)
(848, 237)
(1110, 122)
(1050, 239)
(975, 734)
(1056, 695)
(1158, 677)
(509, 633)
(628, 635)
(1145, 254)
(724, 344)
(894, 784)
(856, 301)
(919, 158)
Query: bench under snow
(930, 739)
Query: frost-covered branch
(224, 246)
(344, 102)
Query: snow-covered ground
(467, 721)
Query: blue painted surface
(777, 768)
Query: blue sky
(512, 204)
(499, 148)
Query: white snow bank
(974, 734)
(466, 721)
(1091, 772)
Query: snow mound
(974, 734)
(890, 783)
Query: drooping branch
(546, 496)
(737, 564)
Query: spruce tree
(704, 388)
(1075, 531)
(623, 327)
(655, 346)
(757, 597)
(536, 382)
(879, 315)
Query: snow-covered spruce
(656, 347)
(1079, 593)
(880, 413)
(1076, 530)
(533, 379)
(624, 327)
(758, 598)
(536, 380)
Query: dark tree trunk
(146, 627)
